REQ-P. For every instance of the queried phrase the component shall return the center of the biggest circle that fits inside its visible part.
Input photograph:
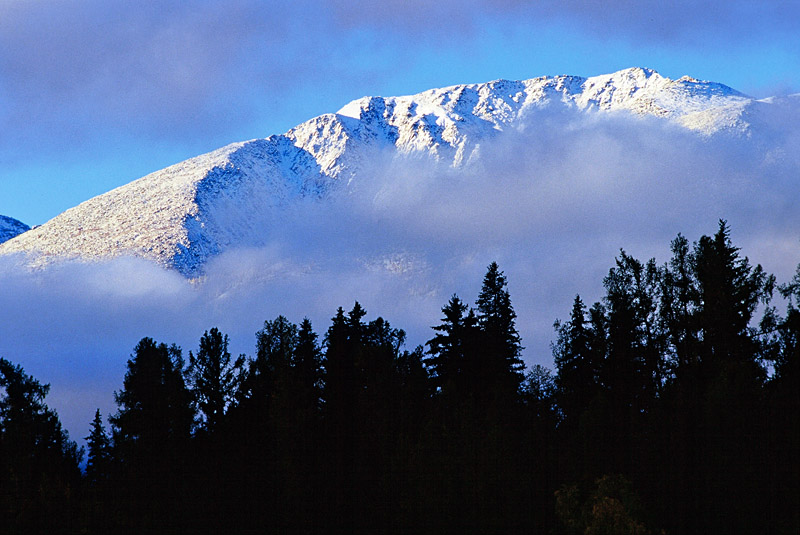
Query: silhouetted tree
(39, 472)
(679, 304)
(343, 343)
(213, 378)
(454, 348)
(151, 430)
(295, 415)
(98, 496)
(632, 370)
(154, 406)
(728, 293)
(711, 408)
(359, 416)
(783, 403)
(577, 361)
(307, 365)
(538, 391)
(787, 358)
(472, 441)
(501, 347)
(99, 457)
(276, 343)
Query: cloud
(646, 22)
(76, 69)
(552, 202)
(76, 64)
(677, 22)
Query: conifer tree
(784, 421)
(343, 424)
(454, 346)
(342, 342)
(729, 290)
(538, 392)
(633, 367)
(155, 410)
(414, 381)
(38, 463)
(501, 344)
(576, 360)
(213, 378)
(307, 365)
(679, 301)
(99, 457)
(787, 359)
(276, 343)
(151, 431)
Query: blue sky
(94, 94)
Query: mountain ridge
(10, 228)
(187, 213)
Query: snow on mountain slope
(185, 214)
(10, 227)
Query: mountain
(10, 227)
(189, 212)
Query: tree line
(674, 406)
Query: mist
(552, 202)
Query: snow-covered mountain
(10, 227)
(185, 214)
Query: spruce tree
(501, 344)
(151, 431)
(276, 343)
(576, 361)
(342, 343)
(452, 350)
(633, 367)
(213, 378)
(155, 412)
(679, 302)
(729, 291)
(784, 411)
(39, 471)
(99, 457)
(308, 366)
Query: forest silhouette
(673, 407)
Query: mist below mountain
(341, 209)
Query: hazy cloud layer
(76, 69)
(649, 21)
(552, 202)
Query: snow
(185, 214)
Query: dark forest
(673, 407)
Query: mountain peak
(185, 214)
(10, 228)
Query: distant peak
(10, 228)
